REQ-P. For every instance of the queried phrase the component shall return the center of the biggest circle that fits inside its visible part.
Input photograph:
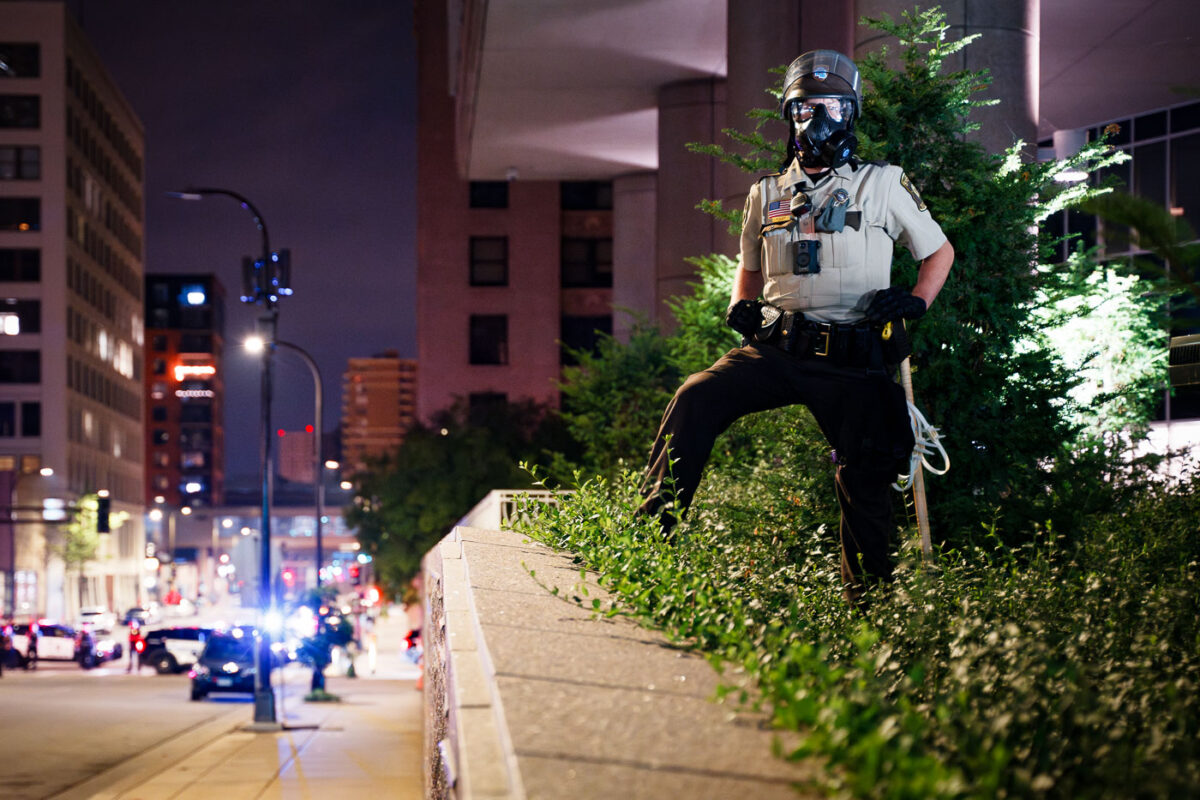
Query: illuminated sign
(194, 393)
(194, 371)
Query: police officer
(816, 245)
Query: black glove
(744, 316)
(893, 303)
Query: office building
(185, 390)
(71, 263)
(378, 399)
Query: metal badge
(841, 197)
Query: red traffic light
(289, 576)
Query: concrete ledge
(528, 695)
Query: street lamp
(263, 284)
(14, 479)
(256, 344)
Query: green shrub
(1064, 668)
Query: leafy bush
(1066, 668)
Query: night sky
(308, 110)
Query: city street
(62, 724)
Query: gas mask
(823, 130)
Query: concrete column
(688, 111)
(1008, 47)
(634, 252)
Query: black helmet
(822, 96)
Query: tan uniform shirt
(852, 262)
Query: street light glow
(254, 344)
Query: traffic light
(289, 577)
(103, 507)
(355, 574)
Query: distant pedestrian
(369, 640)
(31, 652)
(135, 640)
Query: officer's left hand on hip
(894, 303)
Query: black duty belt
(850, 345)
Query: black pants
(863, 416)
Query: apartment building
(185, 391)
(71, 263)
(378, 407)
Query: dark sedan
(225, 665)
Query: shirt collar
(795, 174)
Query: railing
(499, 508)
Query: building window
(162, 458)
(587, 263)
(20, 214)
(489, 194)
(195, 413)
(158, 414)
(8, 420)
(489, 261)
(195, 343)
(162, 482)
(586, 195)
(489, 339)
(20, 163)
(161, 436)
(20, 316)
(31, 419)
(582, 334)
(20, 60)
(20, 265)
(20, 366)
(20, 111)
(193, 459)
(159, 344)
(159, 367)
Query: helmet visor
(839, 109)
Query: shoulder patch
(912, 190)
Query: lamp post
(14, 479)
(255, 344)
(262, 289)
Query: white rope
(927, 442)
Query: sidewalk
(368, 745)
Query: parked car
(225, 665)
(94, 647)
(142, 615)
(97, 617)
(174, 649)
(55, 642)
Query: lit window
(10, 323)
(193, 295)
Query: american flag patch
(779, 210)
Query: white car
(97, 617)
(171, 650)
(54, 643)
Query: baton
(918, 474)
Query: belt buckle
(825, 330)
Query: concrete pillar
(688, 111)
(634, 252)
(1008, 47)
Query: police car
(171, 650)
(55, 642)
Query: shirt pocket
(779, 251)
